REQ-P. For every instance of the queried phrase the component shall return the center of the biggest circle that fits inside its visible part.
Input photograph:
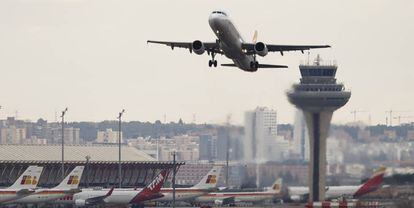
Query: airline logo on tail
(372, 184)
(152, 191)
(211, 179)
(29, 180)
(73, 180)
(277, 186)
(156, 181)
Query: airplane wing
(25, 191)
(249, 47)
(209, 46)
(99, 199)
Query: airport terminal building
(100, 161)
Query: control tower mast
(318, 95)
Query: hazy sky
(92, 56)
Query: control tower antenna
(318, 95)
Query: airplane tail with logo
(72, 180)
(28, 179)
(276, 187)
(210, 180)
(152, 190)
(372, 184)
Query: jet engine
(260, 49)
(80, 202)
(198, 47)
(218, 202)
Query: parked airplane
(302, 193)
(68, 186)
(223, 198)
(92, 197)
(207, 184)
(23, 186)
(230, 43)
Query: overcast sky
(92, 57)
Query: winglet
(109, 192)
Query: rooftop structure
(107, 153)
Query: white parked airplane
(302, 193)
(223, 198)
(230, 43)
(23, 186)
(68, 186)
(207, 184)
(92, 197)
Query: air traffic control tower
(318, 95)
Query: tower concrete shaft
(318, 96)
(318, 127)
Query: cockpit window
(219, 12)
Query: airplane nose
(212, 20)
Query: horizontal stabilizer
(260, 66)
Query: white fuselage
(181, 194)
(118, 196)
(7, 195)
(295, 193)
(230, 41)
(252, 197)
(41, 196)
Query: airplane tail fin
(260, 66)
(28, 179)
(277, 186)
(152, 190)
(254, 37)
(210, 180)
(372, 184)
(72, 180)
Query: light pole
(87, 170)
(63, 142)
(173, 179)
(119, 146)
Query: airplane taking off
(23, 186)
(230, 43)
(302, 193)
(68, 186)
(225, 198)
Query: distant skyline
(92, 57)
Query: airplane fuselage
(9, 195)
(181, 194)
(118, 196)
(252, 197)
(230, 41)
(41, 196)
(295, 193)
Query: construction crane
(390, 113)
(400, 117)
(357, 111)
